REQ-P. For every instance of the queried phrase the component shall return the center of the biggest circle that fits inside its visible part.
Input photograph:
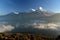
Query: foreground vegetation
(22, 36)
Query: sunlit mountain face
(38, 21)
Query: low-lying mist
(44, 28)
(4, 28)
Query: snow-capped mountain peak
(16, 12)
(41, 9)
(33, 9)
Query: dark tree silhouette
(58, 37)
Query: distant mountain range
(39, 14)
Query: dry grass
(21, 36)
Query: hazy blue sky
(7, 6)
